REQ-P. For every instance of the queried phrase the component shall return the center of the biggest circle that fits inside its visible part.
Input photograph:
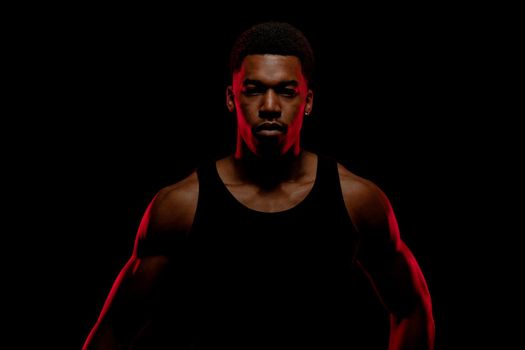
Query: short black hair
(274, 38)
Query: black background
(127, 100)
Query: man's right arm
(128, 306)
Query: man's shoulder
(354, 185)
(364, 200)
(179, 192)
(174, 206)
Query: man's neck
(269, 172)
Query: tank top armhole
(206, 183)
(331, 187)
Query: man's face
(270, 96)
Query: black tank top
(270, 280)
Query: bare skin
(269, 172)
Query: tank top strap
(328, 185)
(207, 177)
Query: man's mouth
(269, 129)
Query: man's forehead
(267, 60)
(271, 67)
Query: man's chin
(270, 151)
(267, 148)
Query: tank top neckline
(295, 207)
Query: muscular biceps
(385, 258)
(130, 302)
(127, 306)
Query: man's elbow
(414, 329)
(100, 338)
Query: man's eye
(251, 91)
(288, 92)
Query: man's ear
(309, 102)
(230, 102)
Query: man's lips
(270, 129)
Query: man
(255, 250)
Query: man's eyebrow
(255, 82)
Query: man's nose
(271, 107)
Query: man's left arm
(401, 286)
(391, 267)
